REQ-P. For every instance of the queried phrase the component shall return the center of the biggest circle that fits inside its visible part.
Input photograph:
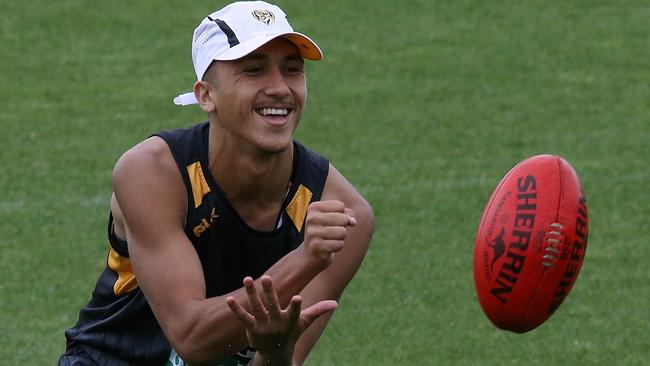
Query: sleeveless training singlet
(117, 326)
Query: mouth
(274, 115)
(273, 112)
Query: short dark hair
(207, 76)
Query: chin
(275, 147)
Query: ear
(204, 93)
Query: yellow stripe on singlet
(297, 208)
(199, 185)
(125, 278)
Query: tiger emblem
(264, 16)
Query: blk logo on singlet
(205, 224)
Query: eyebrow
(294, 58)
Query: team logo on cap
(264, 16)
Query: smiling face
(257, 101)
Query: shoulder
(147, 176)
(151, 155)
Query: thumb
(320, 308)
(352, 221)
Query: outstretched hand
(271, 330)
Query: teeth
(274, 111)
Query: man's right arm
(152, 202)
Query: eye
(295, 69)
(253, 70)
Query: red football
(531, 243)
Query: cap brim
(308, 49)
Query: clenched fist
(327, 225)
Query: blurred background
(423, 105)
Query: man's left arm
(330, 283)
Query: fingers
(259, 313)
(293, 310)
(242, 314)
(266, 303)
(270, 296)
(328, 232)
(257, 308)
(267, 324)
(331, 213)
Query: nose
(276, 83)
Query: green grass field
(423, 105)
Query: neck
(248, 176)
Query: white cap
(237, 30)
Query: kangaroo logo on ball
(498, 246)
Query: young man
(198, 212)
